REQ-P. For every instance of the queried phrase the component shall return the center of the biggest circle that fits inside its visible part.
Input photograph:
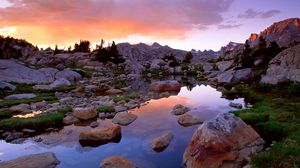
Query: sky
(181, 24)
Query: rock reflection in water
(154, 118)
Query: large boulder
(225, 141)
(20, 96)
(224, 65)
(162, 142)
(242, 75)
(13, 72)
(49, 73)
(68, 74)
(42, 160)
(85, 113)
(116, 162)
(284, 67)
(124, 118)
(163, 86)
(62, 82)
(100, 135)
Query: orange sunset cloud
(64, 22)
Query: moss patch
(126, 97)
(40, 122)
(276, 117)
(105, 109)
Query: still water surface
(154, 119)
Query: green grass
(40, 122)
(105, 109)
(5, 114)
(126, 97)
(276, 117)
(40, 97)
(119, 84)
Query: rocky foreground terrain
(65, 87)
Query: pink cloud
(63, 20)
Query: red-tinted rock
(223, 141)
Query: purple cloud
(251, 14)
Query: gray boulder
(20, 96)
(284, 67)
(62, 82)
(13, 72)
(242, 75)
(68, 74)
(224, 65)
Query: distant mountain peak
(155, 44)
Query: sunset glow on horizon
(198, 24)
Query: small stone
(102, 115)
(179, 109)
(162, 142)
(189, 120)
(116, 162)
(20, 96)
(42, 87)
(114, 92)
(69, 119)
(28, 131)
(85, 113)
(124, 118)
(94, 124)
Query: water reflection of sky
(154, 118)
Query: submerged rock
(42, 160)
(20, 96)
(100, 135)
(124, 118)
(179, 109)
(189, 120)
(162, 142)
(163, 86)
(116, 162)
(85, 113)
(225, 139)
